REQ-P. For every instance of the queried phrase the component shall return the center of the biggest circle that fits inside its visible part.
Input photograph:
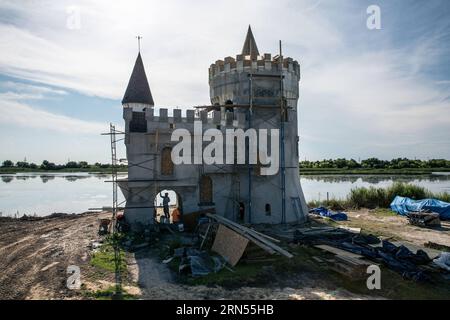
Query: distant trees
(375, 163)
(47, 165)
(340, 163)
(7, 163)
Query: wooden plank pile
(347, 263)
(252, 236)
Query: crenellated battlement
(147, 120)
(247, 63)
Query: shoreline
(303, 171)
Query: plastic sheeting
(324, 212)
(443, 261)
(403, 206)
(198, 263)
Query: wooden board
(339, 252)
(251, 235)
(229, 244)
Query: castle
(249, 91)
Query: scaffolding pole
(250, 114)
(117, 256)
(282, 154)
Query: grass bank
(372, 197)
(362, 171)
(13, 170)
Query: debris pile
(398, 258)
(231, 242)
(324, 212)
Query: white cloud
(20, 114)
(367, 95)
(24, 91)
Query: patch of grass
(383, 212)
(105, 258)
(109, 294)
(333, 204)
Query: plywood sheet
(229, 244)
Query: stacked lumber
(347, 263)
(255, 237)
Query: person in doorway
(241, 211)
(176, 216)
(166, 201)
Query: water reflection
(45, 193)
(73, 192)
(46, 178)
(7, 179)
(317, 187)
(376, 178)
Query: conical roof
(250, 48)
(138, 90)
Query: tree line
(47, 165)
(340, 163)
(375, 163)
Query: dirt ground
(387, 224)
(35, 255)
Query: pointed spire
(250, 48)
(138, 90)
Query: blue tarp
(403, 206)
(324, 212)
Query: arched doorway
(168, 211)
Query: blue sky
(64, 66)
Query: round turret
(229, 79)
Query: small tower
(138, 94)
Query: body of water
(45, 193)
(339, 186)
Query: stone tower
(254, 81)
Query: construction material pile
(398, 258)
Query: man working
(166, 201)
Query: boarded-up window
(166, 162)
(206, 189)
(138, 122)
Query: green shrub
(372, 197)
(407, 190)
(367, 197)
